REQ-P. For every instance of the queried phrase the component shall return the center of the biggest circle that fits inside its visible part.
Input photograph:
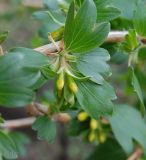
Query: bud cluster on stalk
(65, 81)
(96, 132)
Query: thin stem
(136, 154)
(1, 51)
(54, 43)
(113, 36)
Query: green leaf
(50, 20)
(128, 125)
(57, 17)
(14, 96)
(21, 66)
(82, 33)
(20, 141)
(126, 7)
(51, 4)
(95, 99)
(110, 150)
(131, 42)
(46, 129)
(138, 91)
(139, 19)
(20, 75)
(93, 64)
(7, 147)
(107, 14)
(47, 72)
(56, 4)
(3, 36)
(102, 3)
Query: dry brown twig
(136, 154)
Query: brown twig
(18, 123)
(1, 51)
(114, 36)
(136, 154)
(27, 122)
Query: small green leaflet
(7, 147)
(20, 141)
(110, 150)
(3, 36)
(46, 128)
(123, 117)
(95, 99)
(137, 89)
(82, 33)
(131, 42)
(139, 19)
(93, 64)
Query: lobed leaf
(95, 99)
(20, 76)
(82, 33)
(46, 129)
(123, 117)
(93, 64)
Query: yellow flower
(93, 124)
(60, 81)
(73, 87)
(82, 116)
(91, 137)
(102, 137)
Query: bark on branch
(114, 36)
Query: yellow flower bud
(60, 81)
(102, 137)
(73, 87)
(82, 116)
(91, 137)
(93, 124)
